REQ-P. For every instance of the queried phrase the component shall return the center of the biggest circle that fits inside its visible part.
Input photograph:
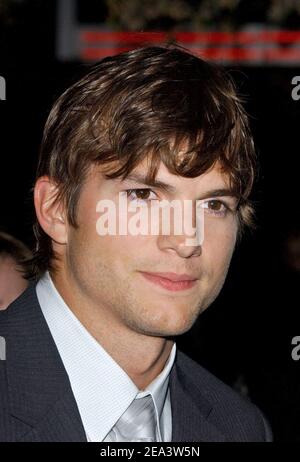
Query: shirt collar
(102, 389)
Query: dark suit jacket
(37, 402)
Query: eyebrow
(165, 187)
(222, 192)
(141, 179)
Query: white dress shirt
(102, 389)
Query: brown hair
(15, 249)
(148, 102)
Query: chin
(169, 327)
(168, 332)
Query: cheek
(124, 251)
(218, 249)
(116, 252)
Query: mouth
(171, 281)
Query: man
(12, 255)
(91, 351)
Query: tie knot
(137, 423)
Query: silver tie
(138, 423)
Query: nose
(179, 245)
(184, 244)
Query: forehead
(214, 177)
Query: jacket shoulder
(234, 415)
(13, 322)
(18, 309)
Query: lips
(171, 281)
(174, 276)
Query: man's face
(109, 271)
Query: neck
(141, 356)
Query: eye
(215, 207)
(141, 195)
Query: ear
(50, 213)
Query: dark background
(245, 336)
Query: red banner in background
(244, 46)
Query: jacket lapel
(190, 409)
(61, 423)
(40, 395)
